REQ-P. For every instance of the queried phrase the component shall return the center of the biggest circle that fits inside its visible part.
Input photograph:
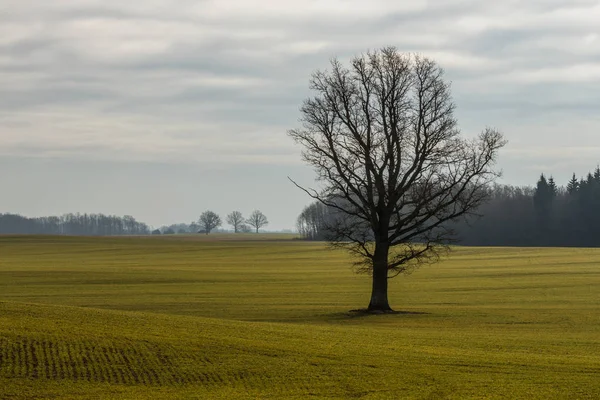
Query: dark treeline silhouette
(73, 224)
(544, 215)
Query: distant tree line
(544, 215)
(73, 224)
(107, 225)
(210, 221)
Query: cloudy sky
(162, 109)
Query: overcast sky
(162, 109)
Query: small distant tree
(545, 192)
(552, 186)
(257, 220)
(208, 221)
(169, 231)
(156, 232)
(573, 185)
(235, 219)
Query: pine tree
(589, 181)
(543, 195)
(552, 190)
(587, 210)
(573, 185)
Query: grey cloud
(215, 67)
(19, 100)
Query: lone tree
(382, 137)
(257, 220)
(236, 220)
(209, 221)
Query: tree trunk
(379, 293)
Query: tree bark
(379, 293)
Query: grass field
(226, 317)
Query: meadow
(267, 317)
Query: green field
(236, 317)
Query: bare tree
(236, 220)
(257, 220)
(209, 221)
(384, 142)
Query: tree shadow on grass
(364, 313)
